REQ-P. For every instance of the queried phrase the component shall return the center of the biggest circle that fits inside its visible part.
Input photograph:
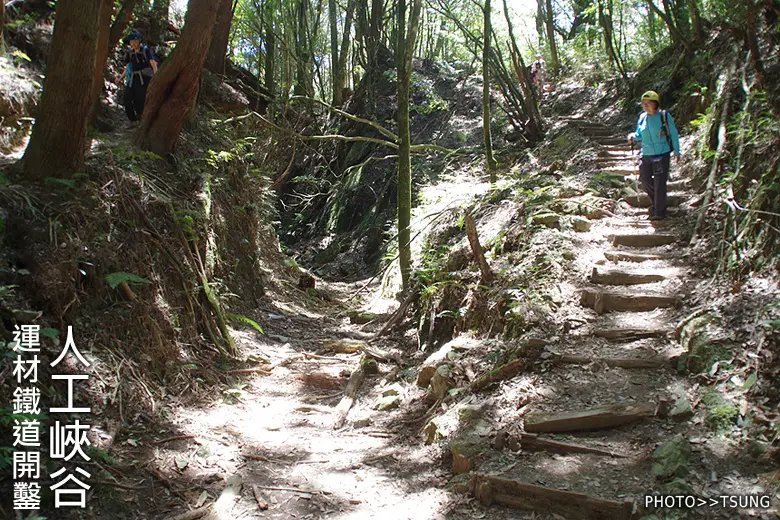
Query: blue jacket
(648, 132)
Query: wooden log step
(643, 201)
(511, 493)
(619, 154)
(615, 362)
(629, 334)
(606, 302)
(618, 171)
(677, 185)
(532, 442)
(644, 240)
(621, 277)
(616, 256)
(599, 418)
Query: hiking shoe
(657, 217)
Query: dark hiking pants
(653, 173)
(134, 98)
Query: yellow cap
(652, 95)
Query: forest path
(276, 429)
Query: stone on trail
(546, 219)
(581, 224)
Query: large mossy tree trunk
(217, 54)
(174, 88)
(59, 137)
(404, 52)
(490, 162)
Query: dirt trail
(276, 428)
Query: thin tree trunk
(341, 73)
(540, 23)
(334, 53)
(696, 25)
(59, 137)
(303, 86)
(270, 57)
(651, 27)
(101, 56)
(120, 23)
(2, 24)
(752, 42)
(217, 55)
(531, 104)
(175, 85)
(551, 40)
(404, 53)
(677, 38)
(490, 162)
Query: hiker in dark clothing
(658, 135)
(141, 67)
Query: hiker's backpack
(665, 129)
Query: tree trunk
(752, 42)
(651, 27)
(334, 53)
(2, 24)
(551, 40)
(404, 53)
(215, 59)
(158, 22)
(270, 57)
(531, 104)
(59, 137)
(101, 56)
(303, 77)
(696, 25)
(120, 23)
(174, 87)
(490, 162)
(540, 23)
(677, 38)
(341, 72)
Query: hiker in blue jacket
(141, 67)
(658, 136)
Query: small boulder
(670, 460)
(581, 224)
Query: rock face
(670, 460)
(466, 447)
(706, 341)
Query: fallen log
(353, 385)
(493, 490)
(615, 362)
(526, 357)
(532, 442)
(476, 248)
(594, 419)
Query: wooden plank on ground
(629, 334)
(644, 240)
(626, 256)
(511, 493)
(605, 301)
(532, 442)
(622, 277)
(655, 362)
(593, 419)
(353, 385)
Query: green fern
(115, 279)
(244, 319)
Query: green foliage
(244, 319)
(114, 279)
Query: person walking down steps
(141, 66)
(658, 136)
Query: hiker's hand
(631, 139)
(677, 158)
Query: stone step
(643, 240)
(602, 301)
(627, 256)
(602, 162)
(677, 185)
(608, 141)
(671, 212)
(643, 201)
(622, 277)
